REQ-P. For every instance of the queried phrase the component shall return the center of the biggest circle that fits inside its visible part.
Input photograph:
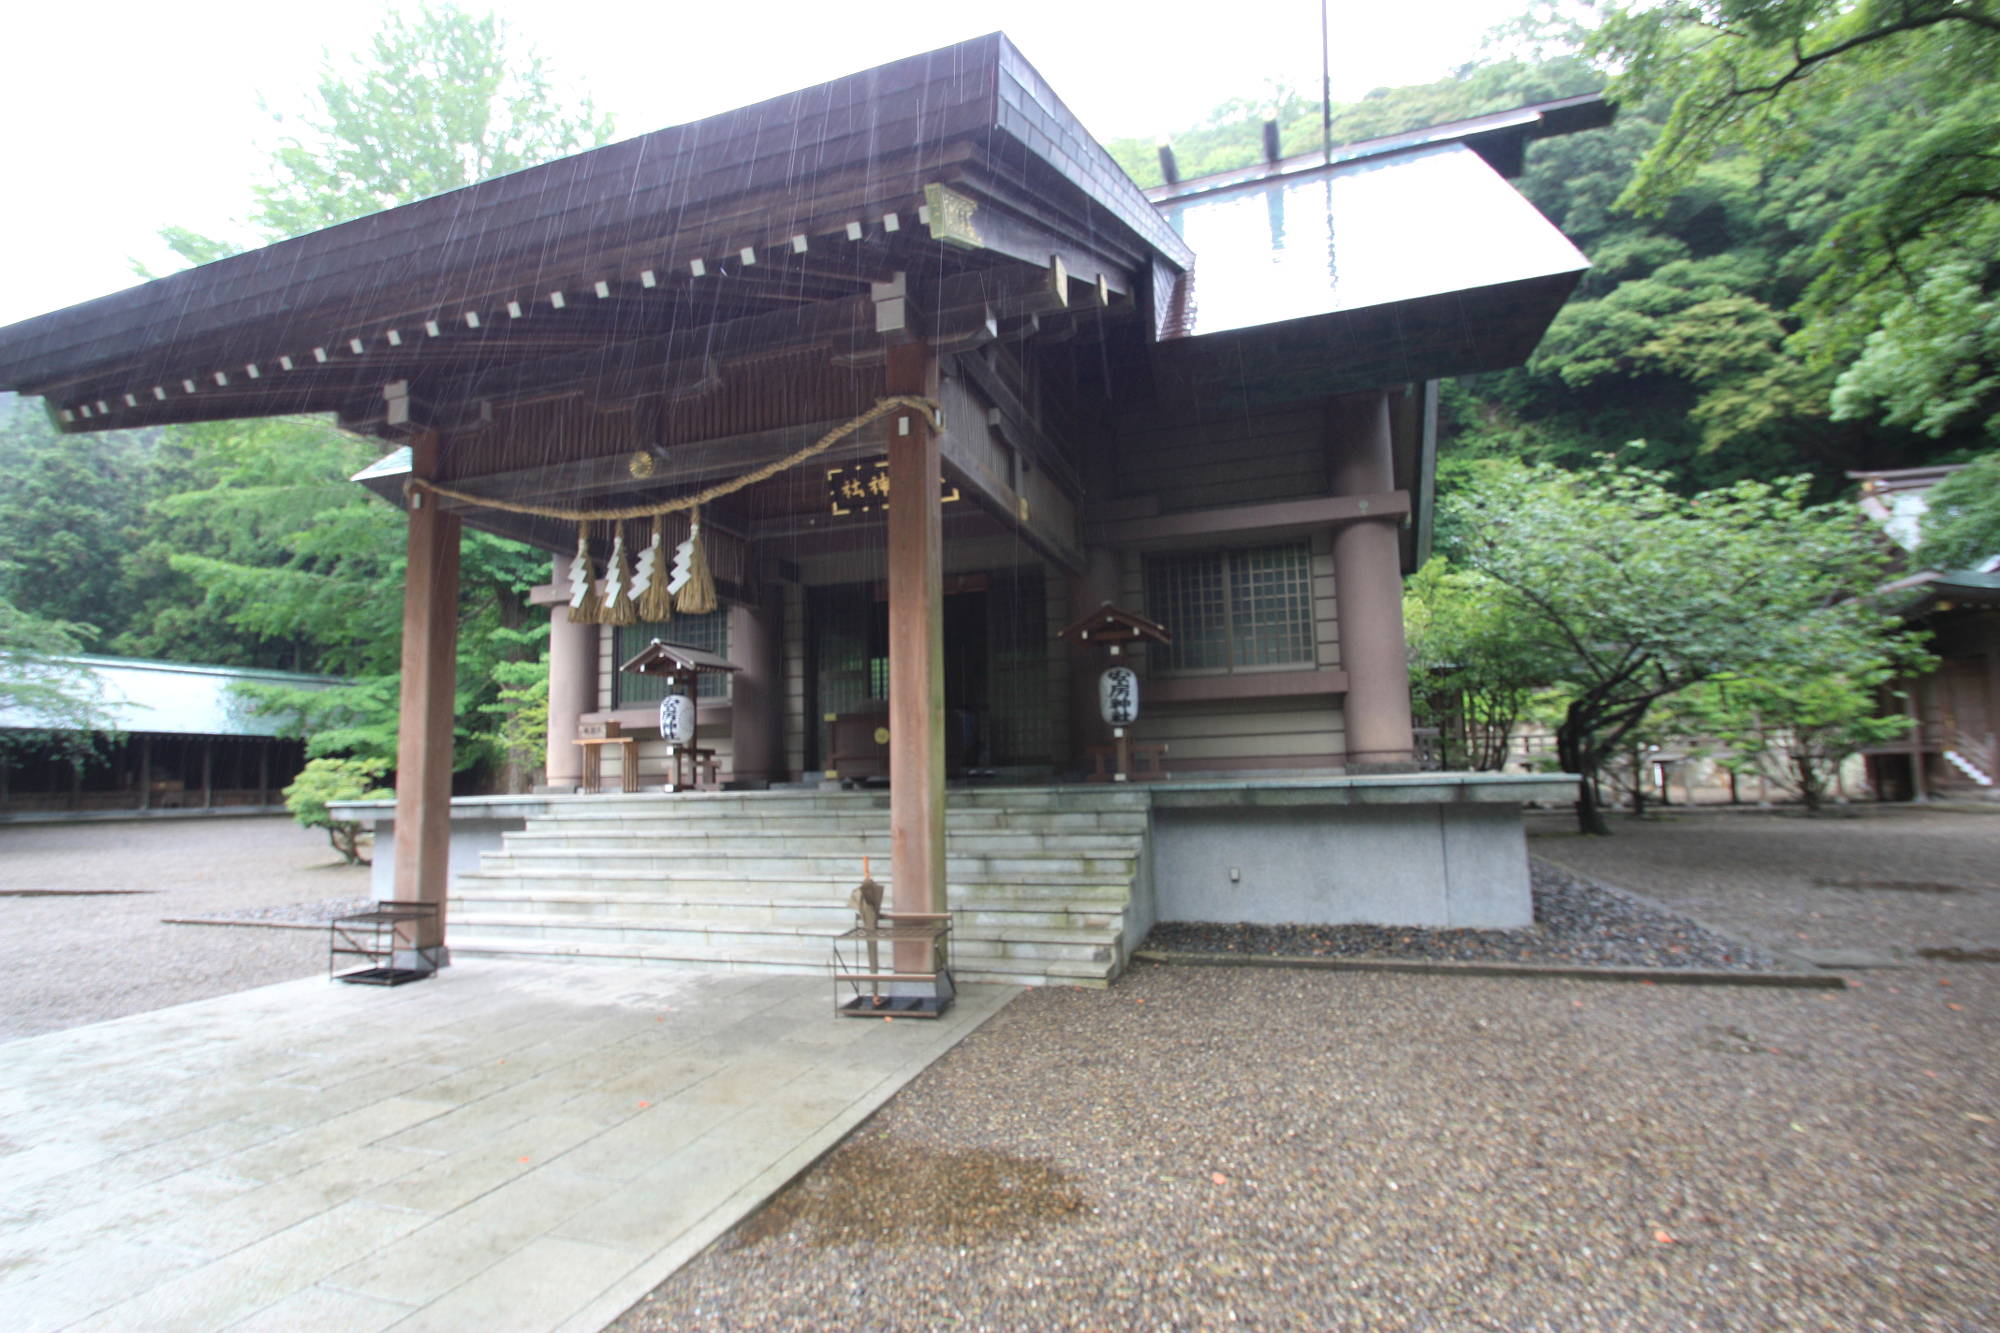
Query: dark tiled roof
(755, 167)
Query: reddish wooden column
(1089, 589)
(572, 688)
(430, 669)
(757, 692)
(916, 650)
(1368, 594)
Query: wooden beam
(1017, 423)
(1279, 514)
(424, 733)
(916, 653)
(684, 466)
(1251, 685)
(965, 464)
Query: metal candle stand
(372, 936)
(858, 977)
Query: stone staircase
(1969, 767)
(1040, 881)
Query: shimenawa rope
(883, 407)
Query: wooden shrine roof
(554, 259)
(1113, 624)
(660, 658)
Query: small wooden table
(592, 779)
(690, 768)
(1146, 760)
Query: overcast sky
(121, 118)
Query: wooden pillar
(572, 688)
(757, 692)
(264, 771)
(145, 772)
(916, 650)
(208, 772)
(1919, 783)
(1368, 594)
(430, 661)
(1090, 588)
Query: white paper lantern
(677, 719)
(1118, 696)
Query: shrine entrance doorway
(995, 674)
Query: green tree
(1961, 528)
(1877, 122)
(324, 780)
(264, 550)
(1797, 722)
(1934, 364)
(1634, 593)
(44, 700)
(1470, 678)
(69, 506)
(438, 101)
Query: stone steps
(1036, 973)
(825, 841)
(830, 821)
(824, 915)
(778, 864)
(1075, 944)
(1039, 881)
(616, 885)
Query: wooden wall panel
(1272, 456)
(1308, 731)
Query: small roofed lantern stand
(1114, 630)
(689, 767)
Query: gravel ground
(1294, 1149)
(1577, 921)
(292, 914)
(81, 937)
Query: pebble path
(1199, 1147)
(1577, 922)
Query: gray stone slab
(217, 1294)
(578, 1133)
(519, 1295)
(469, 1240)
(324, 1310)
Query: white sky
(118, 118)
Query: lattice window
(1234, 610)
(1018, 723)
(709, 633)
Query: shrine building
(1038, 536)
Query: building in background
(1040, 390)
(175, 739)
(1951, 747)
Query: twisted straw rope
(883, 407)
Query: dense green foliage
(1471, 678)
(1801, 281)
(244, 542)
(1962, 528)
(1606, 583)
(323, 780)
(1795, 722)
(36, 685)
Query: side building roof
(176, 699)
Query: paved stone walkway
(508, 1146)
